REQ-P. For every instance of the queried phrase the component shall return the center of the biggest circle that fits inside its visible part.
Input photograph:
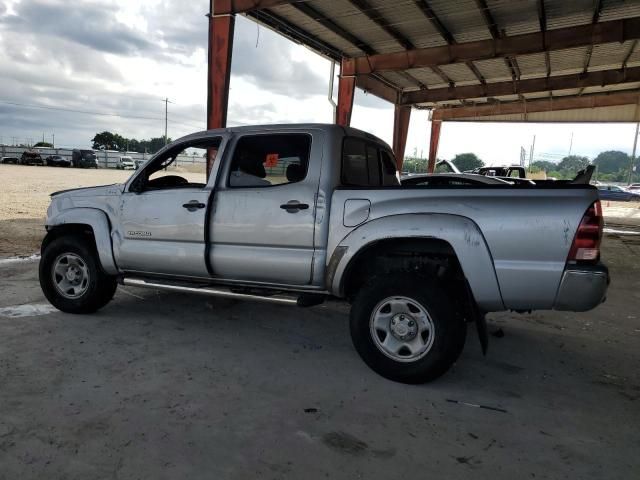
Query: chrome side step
(212, 291)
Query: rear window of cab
(366, 164)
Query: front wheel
(71, 276)
(406, 328)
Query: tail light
(586, 244)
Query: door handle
(293, 206)
(193, 205)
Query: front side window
(182, 166)
(269, 160)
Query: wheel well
(430, 257)
(68, 229)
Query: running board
(216, 292)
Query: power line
(88, 112)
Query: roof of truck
(327, 127)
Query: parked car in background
(513, 171)
(57, 161)
(126, 163)
(614, 192)
(14, 160)
(84, 159)
(634, 187)
(31, 157)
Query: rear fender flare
(461, 233)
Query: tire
(94, 289)
(427, 334)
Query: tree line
(114, 141)
(612, 165)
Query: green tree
(104, 141)
(44, 144)
(612, 161)
(467, 161)
(545, 165)
(573, 163)
(114, 141)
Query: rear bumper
(582, 288)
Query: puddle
(31, 258)
(28, 310)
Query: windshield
(88, 155)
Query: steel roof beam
(329, 24)
(561, 82)
(492, 26)
(562, 38)
(551, 104)
(226, 7)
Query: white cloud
(124, 57)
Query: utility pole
(53, 140)
(533, 146)
(166, 109)
(633, 154)
(570, 144)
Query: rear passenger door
(264, 209)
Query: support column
(221, 26)
(401, 117)
(346, 91)
(436, 125)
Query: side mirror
(137, 186)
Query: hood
(102, 190)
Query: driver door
(163, 212)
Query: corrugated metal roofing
(463, 21)
(619, 113)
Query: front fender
(99, 223)
(461, 233)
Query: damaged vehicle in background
(296, 214)
(31, 157)
(84, 159)
(57, 161)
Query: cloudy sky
(121, 58)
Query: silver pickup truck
(301, 213)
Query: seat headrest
(295, 172)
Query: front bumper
(582, 288)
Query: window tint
(266, 160)
(354, 163)
(364, 164)
(373, 164)
(388, 169)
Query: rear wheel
(71, 276)
(406, 328)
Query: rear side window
(354, 163)
(269, 160)
(364, 164)
(388, 169)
